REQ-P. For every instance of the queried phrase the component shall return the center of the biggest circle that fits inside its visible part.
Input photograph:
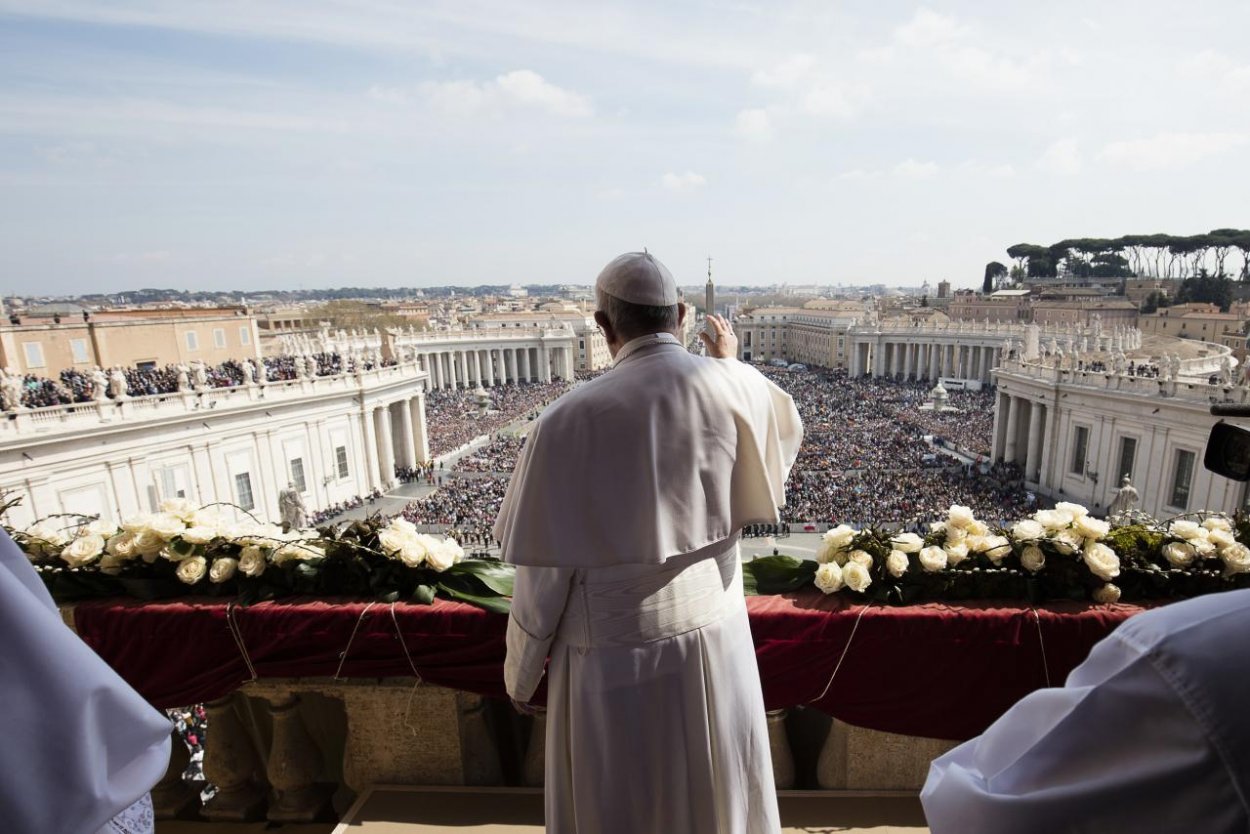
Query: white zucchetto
(638, 278)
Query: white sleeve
(538, 599)
(1119, 748)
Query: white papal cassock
(622, 519)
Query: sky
(240, 145)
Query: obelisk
(709, 300)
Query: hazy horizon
(326, 143)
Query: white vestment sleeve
(1122, 747)
(538, 599)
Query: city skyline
(318, 145)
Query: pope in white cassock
(623, 519)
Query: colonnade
(395, 434)
(470, 367)
(1021, 435)
(929, 360)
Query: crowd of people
(500, 455)
(465, 505)
(76, 386)
(333, 510)
(455, 418)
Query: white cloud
(1215, 67)
(830, 99)
(1062, 157)
(689, 181)
(1169, 150)
(519, 89)
(788, 74)
(754, 124)
(929, 28)
(914, 170)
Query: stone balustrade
(292, 750)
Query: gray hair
(633, 320)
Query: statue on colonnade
(117, 383)
(11, 388)
(291, 508)
(1125, 500)
(99, 385)
(200, 375)
(184, 377)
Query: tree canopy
(1146, 256)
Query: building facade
(334, 438)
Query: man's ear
(601, 319)
(681, 314)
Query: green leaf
(499, 605)
(779, 574)
(424, 594)
(497, 576)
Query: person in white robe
(1150, 734)
(622, 518)
(79, 748)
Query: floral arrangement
(1059, 553)
(185, 549)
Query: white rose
(252, 561)
(103, 529)
(1074, 510)
(83, 550)
(1107, 594)
(262, 535)
(897, 563)
(137, 523)
(1090, 527)
(936, 527)
(860, 557)
(1067, 542)
(122, 546)
(441, 556)
(956, 534)
(48, 536)
(997, 548)
(960, 516)
(207, 517)
(1236, 558)
(1032, 558)
(1221, 538)
(975, 544)
(222, 569)
(403, 525)
(956, 553)
(192, 570)
(1054, 519)
(978, 528)
(416, 549)
(298, 551)
(828, 552)
(180, 507)
(1102, 561)
(840, 537)
(907, 542)
(1203, 547)
(1179, 554)
(932, 559)
(1217, 522)
(148, 543)
(856, 576)
(392, 540)
(111, 564)
(1027, 530)
(828, 577)
(167, 525)
(199, 535)
(1185, 529)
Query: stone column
(1000, 422)
(172, 796)
(935, 360)
(525, 364)
(407, 441)
(452, 378)
(420, 436)
(512, 365)
(386, 445)
(1033, 452)
(490, 368)
(477, 367)
(294, 762)
(907, 349)
(1013, 421)
(544, 363)
(854, 351)
(231, 763)
(369, 424)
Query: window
(219, 337)
(340, 459)
(1080, 447)
(245, 335)
(1128, 452)
(243, 491)
(34, 354)
(149, 365)
(78, 347)
(1181, 481)
(297, 474)
(193, 341)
